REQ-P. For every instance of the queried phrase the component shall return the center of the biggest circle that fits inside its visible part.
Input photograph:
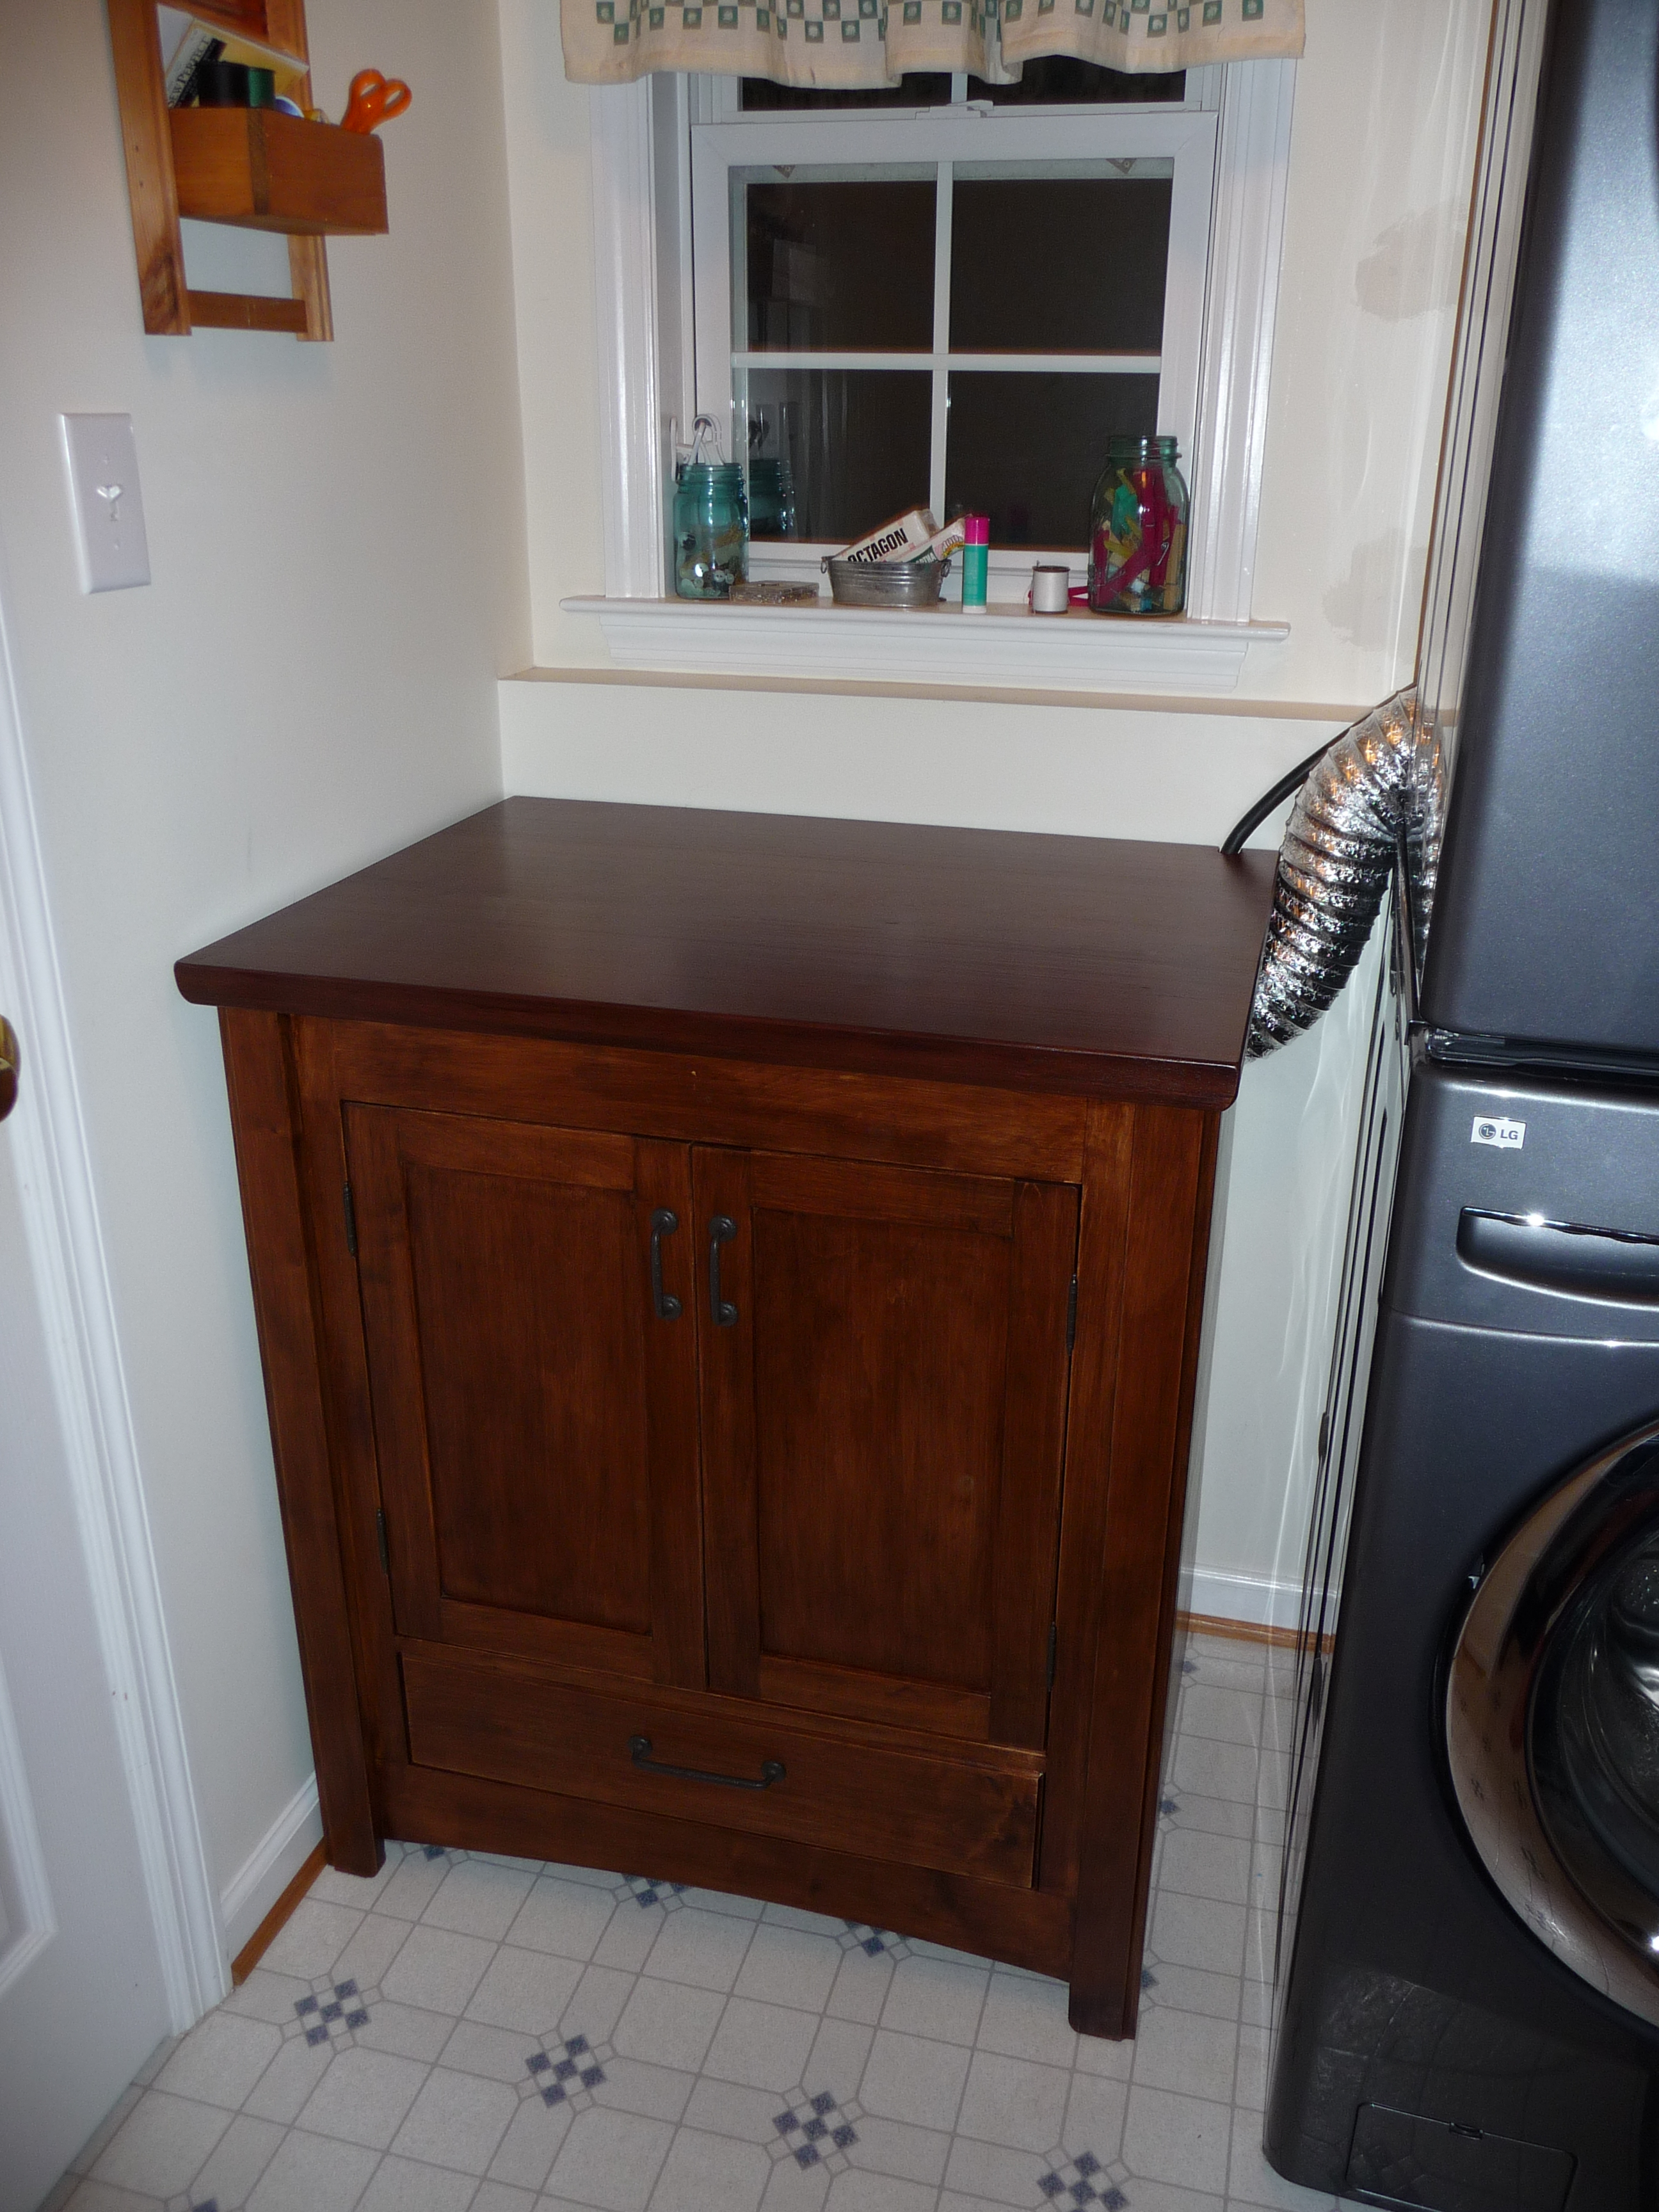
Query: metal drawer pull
(721, 1230)
(772, 1769)
(664, 1222)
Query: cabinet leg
(1098, 2012)
(351, 1853)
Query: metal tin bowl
(886, 583)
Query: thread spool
(1051, 588)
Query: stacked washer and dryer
(1468, 2009)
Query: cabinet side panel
(1173, 1164)
(264, 1122)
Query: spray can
(975, 562)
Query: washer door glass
(1552, 1721)
(1596, 1724)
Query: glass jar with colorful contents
(1137, 531)
(711, 531)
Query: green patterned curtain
(841, 43)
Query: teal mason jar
(711, 529)
(771, 499)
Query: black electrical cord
(1233, 843)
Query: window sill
(1006, 645)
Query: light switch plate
(109, 506)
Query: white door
(82, 1998)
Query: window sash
(943, 139)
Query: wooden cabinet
(743, 1466)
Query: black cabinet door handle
(664, 1222)
(721, 1230)
(772, 1769)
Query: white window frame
(642, 181)
(943, 139)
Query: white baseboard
(1257, 1600)
(271, 1866)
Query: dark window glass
(1058, 81)
(759, 96)
(1055, 81)
(847, 267)
(1026, 447)
(856, 439)
(1059, 264)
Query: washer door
(1553, 1722)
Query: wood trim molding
(66, 1250)
(1244, 1632)
(278, 1917)
(635, 271)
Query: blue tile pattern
(332, 2013)
(646, 1892)
(565, 2073)
(520, 2037)
(814, 2130)
(1079, 2181)
(874, 1942)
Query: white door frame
(66, 1251)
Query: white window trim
(640, 196)
(940, 139)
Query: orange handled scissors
(373, 99)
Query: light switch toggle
(108, 505)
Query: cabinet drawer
(974, 1816)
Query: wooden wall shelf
(262, 170)
(256, 169)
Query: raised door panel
(883, 1418)
(534, 1390)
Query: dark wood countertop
(1082, 965)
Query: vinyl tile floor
(471, 2034)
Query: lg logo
(1493, 1129)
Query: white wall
(337, 538)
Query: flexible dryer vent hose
(1378, 791)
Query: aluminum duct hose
(1375, 793)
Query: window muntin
(1071, 337)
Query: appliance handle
(1617, 1266)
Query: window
(724, 282)
(949, 302)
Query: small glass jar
(711, 531)
(771, 499)
(1137, 531)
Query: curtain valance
(837, 43)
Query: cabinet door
(535, 1402)
(884, 1369)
